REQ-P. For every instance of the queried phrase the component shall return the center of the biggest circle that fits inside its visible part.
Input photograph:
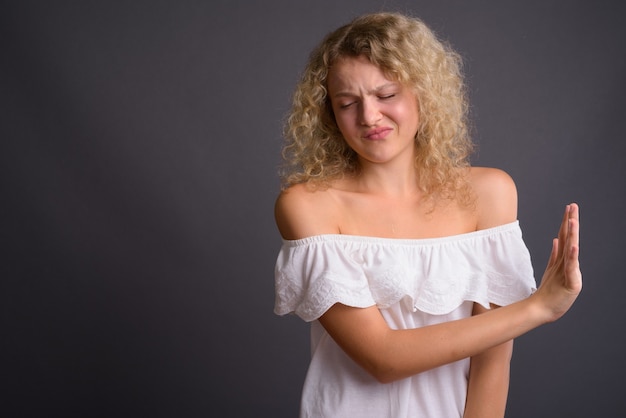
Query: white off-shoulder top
(414, 282)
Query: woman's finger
(563, 231)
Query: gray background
(139, 152)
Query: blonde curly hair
(407, 51)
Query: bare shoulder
(301, 212)
(496, 196)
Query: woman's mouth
(377, 133)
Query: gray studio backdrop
(140, 145)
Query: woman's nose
(370, 113)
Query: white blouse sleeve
(311, 275)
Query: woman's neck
(392, 180)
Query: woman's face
(377, 117)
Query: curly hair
(407, 51)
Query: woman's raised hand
(562, 280)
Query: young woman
(395, 249)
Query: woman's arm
(488, 379)
(395, 354)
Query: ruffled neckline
(433, 275)
(401, 241)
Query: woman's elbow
(386, 370)
(384, 375)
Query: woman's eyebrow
(347, 93)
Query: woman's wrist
(538, 312)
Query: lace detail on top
(434, 275)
